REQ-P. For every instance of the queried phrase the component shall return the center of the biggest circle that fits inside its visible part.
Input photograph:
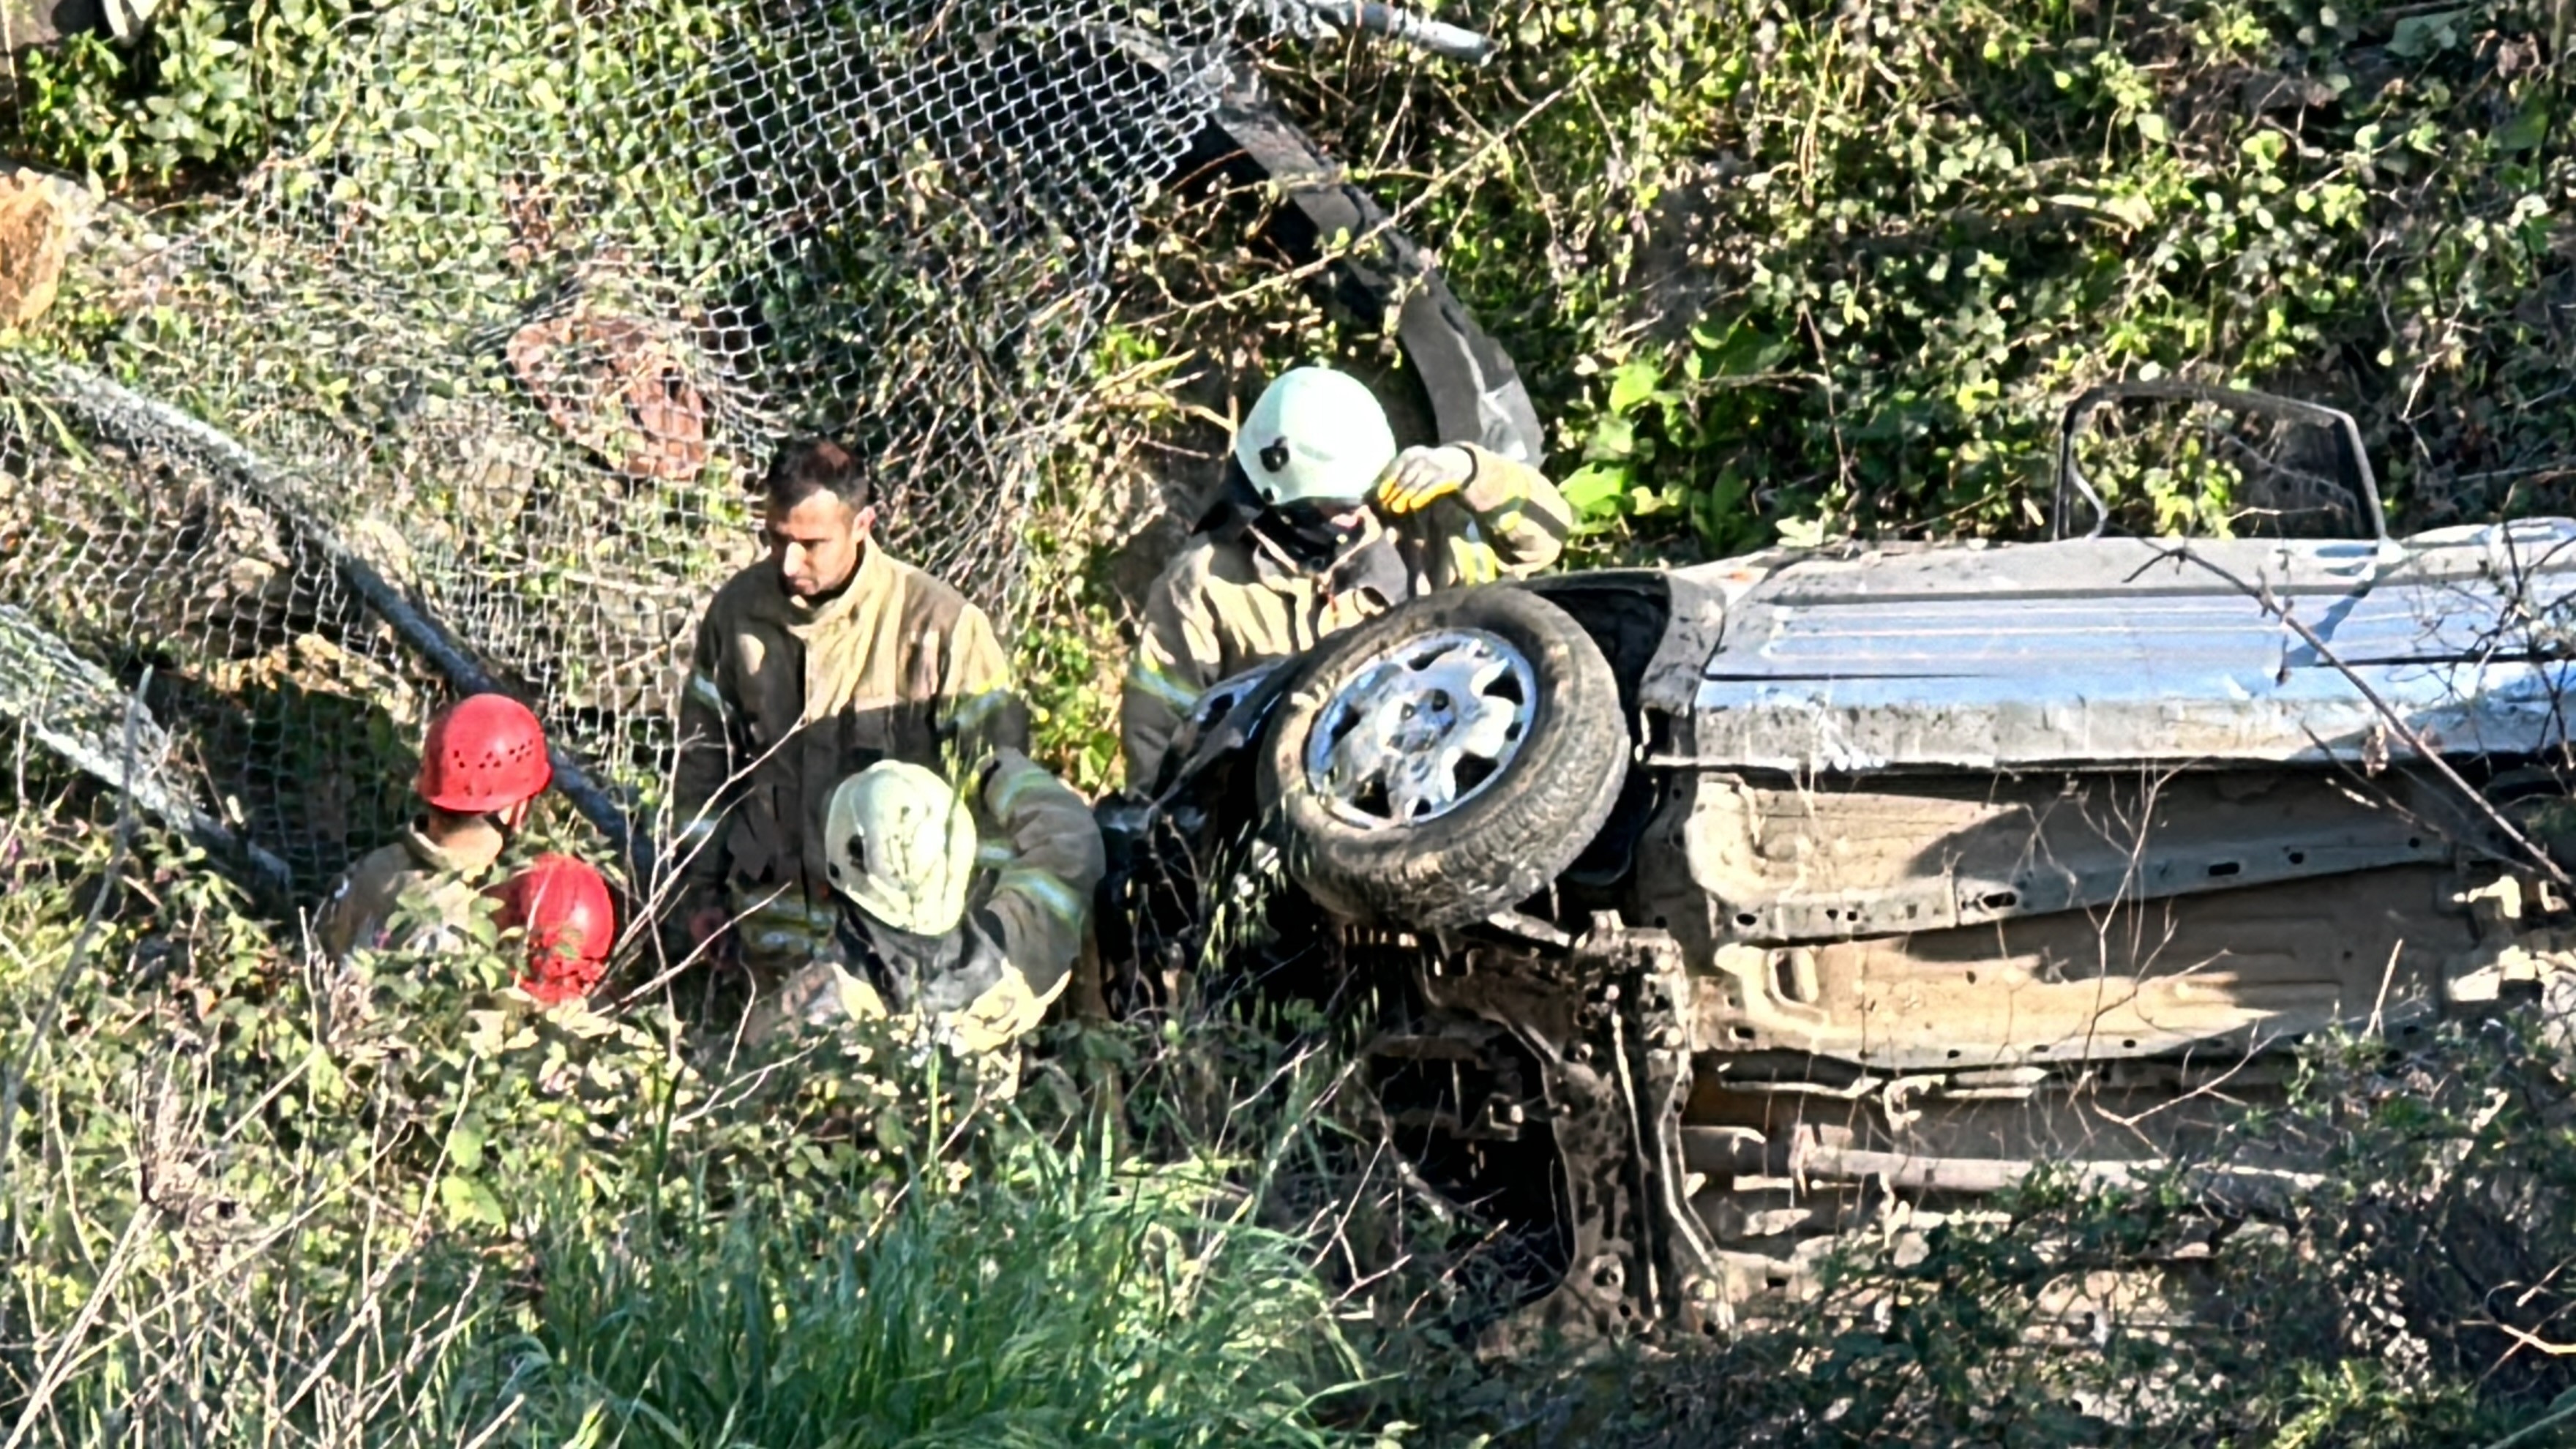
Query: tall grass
(1068, 1303)
(255, 1201)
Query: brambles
(254, 1197)
(1779, 271)
(512, 311)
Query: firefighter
(562, 909)
(964, 909)
(1342, 526)
(820, 660)
(482, 768)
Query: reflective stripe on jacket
(1044, 858)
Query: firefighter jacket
(990, 980)
(786, 698)
(1041, 858)
(1231, 601)
(409, 896)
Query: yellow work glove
(1420, 477)
(812, 996)
(1006, 1011)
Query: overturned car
(1723, 908)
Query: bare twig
(2551, 1419)
(2387, 973)
(120, 1261)
(1354, 245)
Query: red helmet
(487, 753)
(571, 925)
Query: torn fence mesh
(513, 320)
(73, 706)
(68, 704)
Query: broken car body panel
(1945, 808)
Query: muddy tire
(1444, 761)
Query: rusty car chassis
(1910, 866)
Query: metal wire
(513, 320)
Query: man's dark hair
(809, 466)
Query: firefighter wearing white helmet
(963, 909)
(1342, 526)
(1315, 434)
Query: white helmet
(901, 845)
(1315, 433)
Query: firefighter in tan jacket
(964, 909)
(821, 660)
(1348, 528)
(482, 767)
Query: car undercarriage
(1715, 915)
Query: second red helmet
(571, 924)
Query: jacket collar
(1373, 563)
(868, 588)
(433, 856)
(1273, 566)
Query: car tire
(1518, 811)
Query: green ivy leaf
(2418, 36)
(2524, 132)
(1746, 351)
(1612, 437)
(1633, 383)
(465, 1147)
(1594, 491)
(469, 1202)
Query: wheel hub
(1421, 728)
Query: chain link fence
(469, 381)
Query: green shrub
(250, 1198)
(1062, 1303)
(1778, 269)
(206, 88)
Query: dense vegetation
(1774, 271)
(1817, 269)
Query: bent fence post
(121, 412)
(43, 686)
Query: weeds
(1067, 1302)
(256, 1200)
(2419, 1297)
